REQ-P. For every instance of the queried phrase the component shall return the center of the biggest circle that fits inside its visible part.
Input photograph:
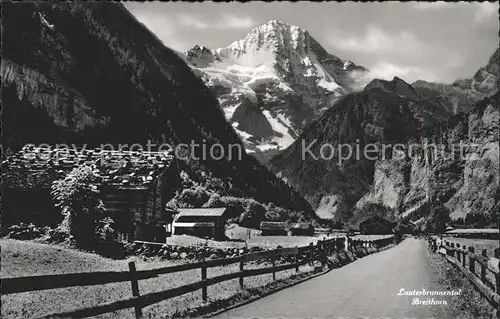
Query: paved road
(366, 288)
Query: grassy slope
(28, 258)
(470, 304)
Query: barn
(200, 222)
(135, 187)
(274, 228)
(376, 225)
(302, 229)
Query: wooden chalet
(135, 186)
(274, 228)
(376, 225)
(302, 229)
(201, 222)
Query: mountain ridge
(342, 191)
(283, 73)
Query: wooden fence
(485, 277)
(296, 256)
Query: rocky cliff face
(428, 111)
(464, 176)
(410, 179)
(328, 164)
(89, 73)
(281, 75)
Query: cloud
(398, 53)
(430, 5)
(224, 22)
(239, 22)
(483, 12)
(486, 11)
(163, 28)
(386, 70)
(190, 21)
(379, 41)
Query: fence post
(296, 259)
(483, 268)
(241, 270)
(311, 248)
(452, 252)
(135, 289)
(323, 253)
(273, 260)
(464, 256)
(204, 287)
(472, 265)
(497, 275)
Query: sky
(439, 41)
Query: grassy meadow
(24, 258)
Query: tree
(254, 213)
(77, 195)
(437, 220)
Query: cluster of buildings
(135, 188)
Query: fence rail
(299, 255)
(466, 259)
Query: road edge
(267, 293)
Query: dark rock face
(397, 86)
(359, 119)
(249, 118)
(89, 73)
(467, 184)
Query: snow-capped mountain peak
(272, 82)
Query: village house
(200, 222)
(376, 225)
(135, 187)
(274, 228)
(302, 229)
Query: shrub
(190, 197)
(436, 221)
(254, 213)
(77, 195)
(214, 201)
